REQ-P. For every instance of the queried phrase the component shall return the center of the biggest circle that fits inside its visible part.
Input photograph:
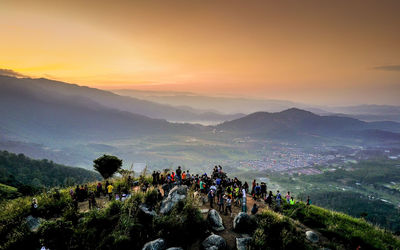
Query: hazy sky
(326, 52)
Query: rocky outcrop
(214, 242)
(215, 220)
(158, 244)
(175, 195)
(243, 243)
(243, 223)
(312, 236)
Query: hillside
(30, 112)
(45, 88)
(144, 221)
(20, 171)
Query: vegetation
(341, 228)
(107, 165)
(24, 173)
(118, 226)
(365, 189)
(276, 231)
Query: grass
(351, 231)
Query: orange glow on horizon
(314, 52)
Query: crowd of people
(217, 188)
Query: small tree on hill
(107, 165)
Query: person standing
(220, 202)
(278, 199)
(228, 206)
(211, 198)
(308, 201)
(109, 191)
(244, 201)
(288, 197)
(179, 175)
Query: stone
(243, 243)
(146, 211)
(312, 236)
(158, 244)
(33, 223)
(215, 220)
(243, 223)
(175, 195)
(214, 242)
(204, 210)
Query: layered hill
(45, 111)
(43, 88)
(294, 123)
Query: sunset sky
(325, 52)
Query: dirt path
(228, 234)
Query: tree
(107, 165)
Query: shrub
(277, 232)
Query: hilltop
(181, 219)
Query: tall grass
(351, 231)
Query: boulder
(243, 223)
(158, 244)
(175, 195)
(215, 220)
(214, 242)
(204, 210)
(145, 211)
(243, 243)
(33, 223)
(312, 236)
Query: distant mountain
(44, 111)
(296, 122)
(111, 100)
(368, 112)
(227, 105)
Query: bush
(277, 232)
(56, 234)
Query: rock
(312, 236)
(215, 220)
(243, 243)
(204, 210)
(175, 195)
(146, 211)
(33, 223)
(158, 244)
(175, 248)
(243, 223)
(214, 242)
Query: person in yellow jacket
(109, 190)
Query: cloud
(388, 67)
(10, 72)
